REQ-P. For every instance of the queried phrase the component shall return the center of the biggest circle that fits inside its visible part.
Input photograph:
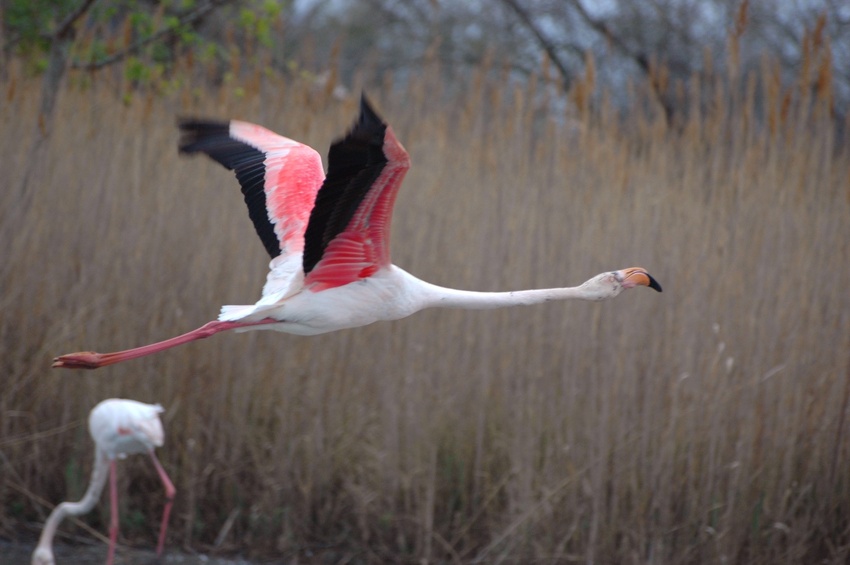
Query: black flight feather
(354, 164)
(213, 138)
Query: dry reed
(705, 424)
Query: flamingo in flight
(328, 237)
(119, 428)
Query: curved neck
(441, 297)
(98, 481)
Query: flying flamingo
(329, 238)
(119, 428)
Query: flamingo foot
(79, 360)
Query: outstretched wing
(279, 177)
(347, 238)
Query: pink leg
(92, 360)
(113, 510)
(169, 500)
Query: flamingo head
(610, 284)
(43, 556)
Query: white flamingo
(329, 238)
(119, 428)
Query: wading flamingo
(329, 238)
(119, 428)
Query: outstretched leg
(92, 360)
(169, 500)
(113, 511)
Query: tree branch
(639, 58)
(190, 17)
(602, 28)
(548, 46)
(67, 26)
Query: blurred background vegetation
(665, 42)
(703, 140)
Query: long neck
(434, 296)
(98, 480)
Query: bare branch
(548, 46)
(602, 28)
(640, 58)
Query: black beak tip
(653, 284)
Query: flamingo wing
(279, 177)
(347, 237)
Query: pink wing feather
(293, 176)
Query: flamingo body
(123, 427)
(328, 237)
(352, 305)
(119, 428)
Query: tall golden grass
(705, 424)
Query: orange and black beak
(636, 276)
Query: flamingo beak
(636, 276)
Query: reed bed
(704, 424)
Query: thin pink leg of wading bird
(119, 428)
(328, 237)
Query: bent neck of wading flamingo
(43, 554)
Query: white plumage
(119, 428)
